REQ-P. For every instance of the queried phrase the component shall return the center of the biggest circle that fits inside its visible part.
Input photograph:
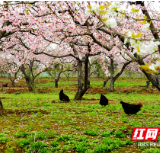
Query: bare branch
(15, 3)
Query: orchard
(64, 70)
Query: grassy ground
(34, 123)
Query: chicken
(63, 97)
(103, 100)
(5, 85)
(131, 108)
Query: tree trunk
(57, 79)
(157, 80)
(112, 74)
(150, 77)
(1, 108)
(122, 69)
(12, 80)
(105, 82)
(89, 71)
(13, 84)
(112, 85)
(56, 83)
(86, 80)
(29, 84)
(81, 91)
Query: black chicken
(63, 97)
(131, 108)
(103, 100)
(5, 85)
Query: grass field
(39, 123)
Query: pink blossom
(10, 72)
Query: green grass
(78, 126)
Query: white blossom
(152, 66)
(145, 27)
(111, 23)
(158, 63)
